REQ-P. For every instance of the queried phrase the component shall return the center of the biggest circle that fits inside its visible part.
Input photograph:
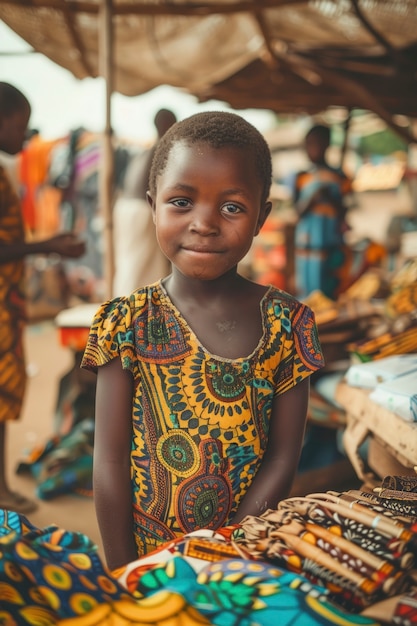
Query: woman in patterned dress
(203, 377)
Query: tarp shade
(284, 55)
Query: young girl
(203, 377)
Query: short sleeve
(302, 354)
(111, 336)
(308, 351)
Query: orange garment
(32, 172)
(47, 220)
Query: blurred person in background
(15, 113)
(321, 254)
(138, 258)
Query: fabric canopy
(285, 55)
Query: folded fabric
(63, 464)
(399, 396)
(359, 552)
(47, 574)
(368, 375)
(55, 577)
(399, 494)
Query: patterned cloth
(320, 252)
(200, 422)
(63, 464)
(349, 545)
(49, 573)
(207, 571)
(12, 306)
(55, 577)
(399, 493)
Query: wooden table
(365, 418)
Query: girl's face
(207, 208)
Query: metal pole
(106, 173)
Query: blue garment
(320, 251)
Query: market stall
(384, 414)
(325, 558)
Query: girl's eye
(181, 202)
(231, 208)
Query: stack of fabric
(327, 558)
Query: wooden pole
(345, 145)
(106, 173)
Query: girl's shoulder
(123, 309)
(286, 316)
(281, 308)
(276, 296)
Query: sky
(60, 102)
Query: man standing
(14, 118)
(138, 258)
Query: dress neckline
(262, 303)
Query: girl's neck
(179, 286)
(224, 314)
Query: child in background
(203, 377)
(322, 258)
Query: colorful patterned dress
(321, 255)
(12, 306)
(200, 422)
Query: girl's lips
(202, 250)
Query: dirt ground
(47, 362)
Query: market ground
(48, 361)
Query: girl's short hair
(219, 129)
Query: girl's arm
(286, 434)
(111, 470)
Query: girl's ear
(263, 214)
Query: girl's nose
(204, 221)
